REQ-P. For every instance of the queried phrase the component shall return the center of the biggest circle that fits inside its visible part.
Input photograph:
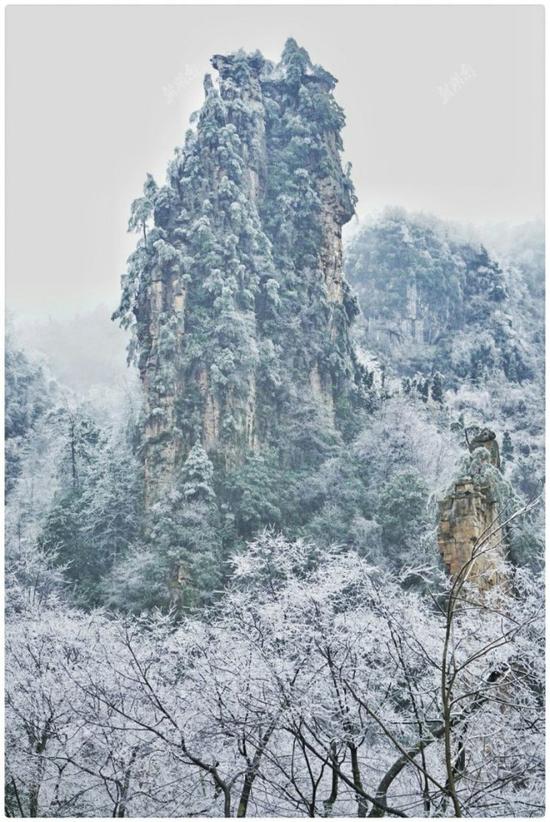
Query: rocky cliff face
(469, 517)
(235, 292)
(432, 300)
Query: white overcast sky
(99, 95)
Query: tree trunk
(361, 802)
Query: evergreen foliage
(433, 299)
(95, 511)
(28, 396)
(259, 411)
(180, 566)
(239, 229)
(217, 605)
(235, 298)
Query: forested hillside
(458, 321)
(226, 589)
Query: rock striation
(469, 516)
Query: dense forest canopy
(224, 585)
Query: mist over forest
(88, 349)
(274, 522)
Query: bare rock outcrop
(470, 515)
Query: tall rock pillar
(235, 293)
(469, 516)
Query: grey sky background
(99, 95)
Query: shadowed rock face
(245, 257)
(469, 516)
